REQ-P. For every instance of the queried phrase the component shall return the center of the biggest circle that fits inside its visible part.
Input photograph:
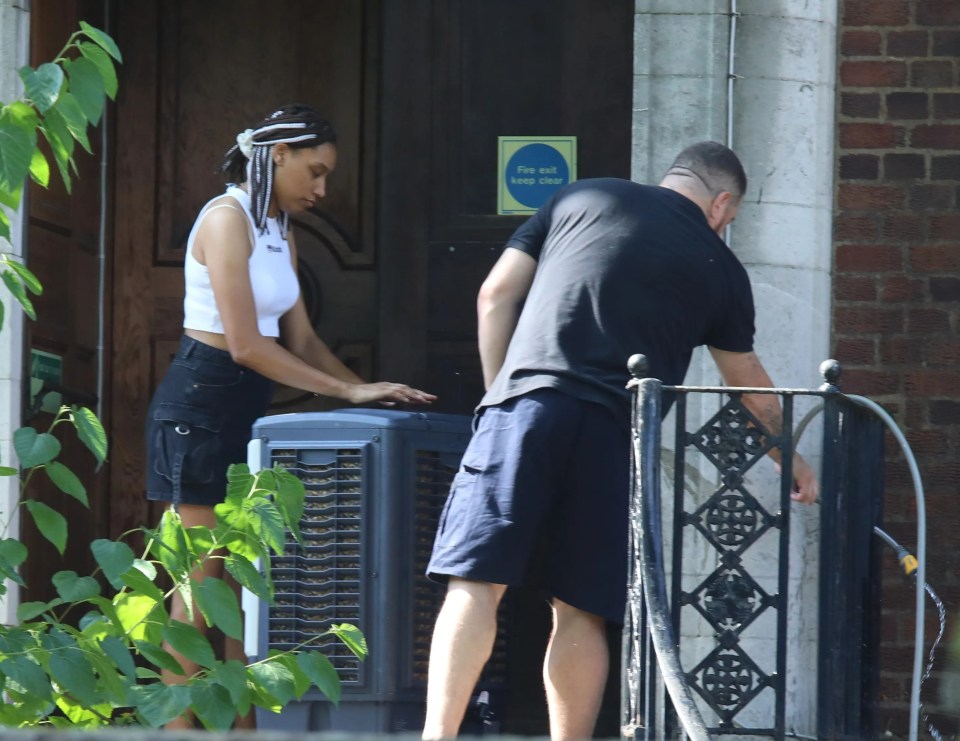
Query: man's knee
(565, 614)
(480, 595)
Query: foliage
(62, 99)
(105, 669)
(86, 658)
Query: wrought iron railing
(706, 648)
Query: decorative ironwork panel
(733, 439)
(728, 680)
(729, 523)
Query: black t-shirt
(622, 268)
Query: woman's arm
(224, 246)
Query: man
(606, 268)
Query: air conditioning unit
(376, 482)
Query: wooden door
(457, 74)
(195, 75)
(63, 236)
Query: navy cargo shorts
(544, 472)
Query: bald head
(711, 176)
(707, 169)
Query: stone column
(777, 113)
(14, 49)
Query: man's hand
(806, 485)
(745, 369)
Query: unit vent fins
(319, 584)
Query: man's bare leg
(462, 642)
(575, 671)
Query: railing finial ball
(638, 365)
(830, 370)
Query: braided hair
(297, 126)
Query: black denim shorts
(199, 423)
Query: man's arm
(499, 303)
(745, 369)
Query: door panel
(197, 74)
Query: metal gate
(706, 648)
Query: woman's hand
(387, 393)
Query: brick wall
(896, 301)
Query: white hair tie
(245, 143)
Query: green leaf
(71, 670)
(94, 624)
(39, 169)
(28, 675)
(23, 114)
(6, 470)
(290, 497)
(16, 640)
(321, 672)
(249, 577)
(102, 39)
(87, 87)
(114, 687)
(27, 611)
(212, 705)
(301, 681)
(104, 65)
(42, 85)
(16, 290)
(57, 134)
(267, 523)
(16, 150)
(240, 481)
(159, 657)
(172, 549)
(159, 703)
(142, 584)
(79, 715)
(74, 117)
(200, 539)
(28, 279)
(90, 432)
(120, 655)
(219, 606)
(51, 524)
(67, 481)
(138, 614)
(12, 552)
(74, 588)
(190, 643)
(33, 448)
(146, 568)
(276, 679)
(9, 570)
(114, 558)
(233, 675)
(352, 637)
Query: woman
(242, 295)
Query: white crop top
(272, 277)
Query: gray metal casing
(376, 482)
